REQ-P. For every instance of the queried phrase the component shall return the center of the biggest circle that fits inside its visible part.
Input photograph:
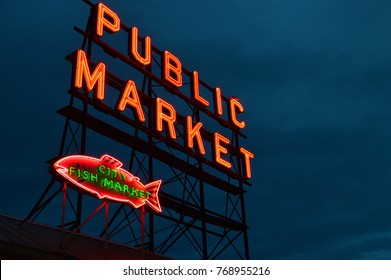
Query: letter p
(106, 18)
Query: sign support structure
(203, 203)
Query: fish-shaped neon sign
(105, 178)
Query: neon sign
(93, 76)
(105, 178)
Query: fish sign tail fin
(153, 199)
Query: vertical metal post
(64, 201)
(106, 228)
(84, 132)
(202, 205)
(150, 165)
(78, 209)
(151, 239)
(143, 232)
(242, 204)
(203, 223)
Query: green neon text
(111, 173)
(110, 184)
(84, 174)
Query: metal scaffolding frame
(187, 217)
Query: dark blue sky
(313, 77)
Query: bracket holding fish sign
(104, 178)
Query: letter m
(107, 183)
(98, 76)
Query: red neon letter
(218, 149)
(172, 65)
(246, 164)
(217, 102)
(101, 21)
(160, 116)
(132, 100)
(195, 90)
(194, 132)
(233, 104)
(146, 47)
(98, 75)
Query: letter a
(130, 97)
